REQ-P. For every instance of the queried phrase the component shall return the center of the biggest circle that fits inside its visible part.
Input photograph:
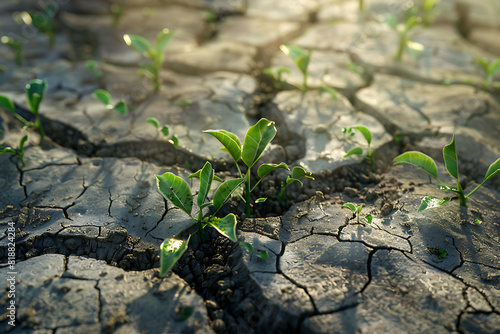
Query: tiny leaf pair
(428, 165)
(163, 129)
(356, 210)
(102, 95)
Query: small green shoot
(477, 221)
(163, 129)
(329, 90)
(44, 21)
(439, 252)
(297, 173)
(257, 138)
(411, 19)
(17, 152)
(359, 151)
(277, 76)
(16, 46)
(155, 54)
(93, 67)
(177, 191)
(301, 59)
(117, 11)
(102, 95)
(258, 252)
(427, 164)
(356, 210)
(429, 12)
(184, 103)
(490, 69)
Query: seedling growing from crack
(35, 91)
(43, 21)
(297, 173)
(16, 46)
(155, 54)
(439, 252)
(411, 19)
(356, 210)
(121, 106)
(426, 163)
(17, 152)
(490, 69)
(163, 129)
(348, 132)
(277, 76)
(258, 252)
(301, 59)
(176, 190)
(257, 138)
(93, 67)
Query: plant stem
(361, 5)
(39, 127)
(247, 193)
(282, 192)
(401, 47)
(201, 231)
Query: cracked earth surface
(89, 220)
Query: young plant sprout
(43, 21)
(155, 54)
(17, 152)
(16, 46)
(93, 67)
(103, 96)
(411, 19)
(163, 129)
(429, 12)
(177, 191)
(277, 76)
(301, 59)
(358, 150)
(297, 173)
(258, 252)
(426, 163)
(490, 69)
(356, 210)
(256, 140)
(184, 103)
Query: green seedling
(17, 152)
(121, 106)
(155, 54)
(117, 11)
(439, 252)
(359, 151)
(258, 252)
(429, 12)
(176, 190)
(35, 91)
(93, 67)
(352, 66)
(16, 46)
(297, 173)
(184, 103)
(490, 69)
(426, 163)
(329, 90)
(44, 21)
(163, 129)
(411, 19)
(356, 210)
(277, 76)
(301, 59)
(257, 138)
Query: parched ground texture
(89, 221)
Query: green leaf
(483, 62)
(162, 41)
(391, 20)
(265, 169)
(230, 142)
(22, 142)
(139, 43)
(450, 158)
(494, 67)
(493, 170)
(299, 56)
(429, 202)
(197, 175)
(299, 172)
(226, 226)
(350, 206)
(7, 103)
(171, 251)
(175, 189)
(165, 131)
(247, 246)
(35, 90)
(154, 121)
(9, 150)
(223, 193)
(329, 90)
(354, 151)
(174, 141)
(121, 107)
(260, 200)
(369, 218)
(365, 132)
(419, 160)
(262, 254)
(477, 221)
(206, 178)
(359, 208)
(290, 180)
(256, 140)
(102, 96)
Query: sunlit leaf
(265, 169)
(299, 172)
(430, 202)
(35, 90)
(262, 254)
(450, 158)
(154, 121)
(256, 140)
(121, 107)
(223, 193)
(350, 206)
(225, 226)
(369, 218)
(175, 189)
(419, 160)
(139, 43)
(354, 151)
(103, 96)
(365, 132)
(260, 200)
(171, 251)
(230, 142)
(206, 177)
(493, 170)
(197, 175)
(162, 40)
(7, 103)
